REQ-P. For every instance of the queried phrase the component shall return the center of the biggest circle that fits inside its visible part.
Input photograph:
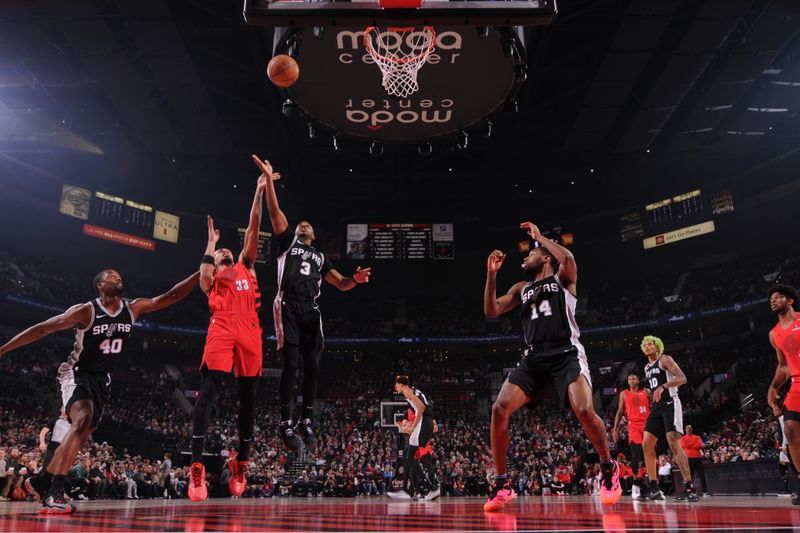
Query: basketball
(283, 70)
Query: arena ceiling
(165, 100)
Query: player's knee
(584, 411)
(501, 410)
(82, 422)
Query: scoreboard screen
(400, 241)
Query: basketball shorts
(636, 433)
(791, 404)
(423, 433)
(234, 342)
(538, 370)
(665, 417)
(76, 385)
(298, 322)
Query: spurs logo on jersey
(300, 267)
(102, 340)
(657, 376)
(548, 313)
(424, 399)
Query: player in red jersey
(634, 404)
(785, 338)
(233, 341)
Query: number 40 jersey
(548, 314)
(300, 267)
(102, 340)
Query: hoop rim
(411, 59)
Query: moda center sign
(465, 79)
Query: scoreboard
(400, 241)
(116, 213)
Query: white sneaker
(399, 495)
(432, 495)
(635, 492)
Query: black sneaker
(56, 505)
(289, 438)
(306, 432)
(656, 496)
(37, 487)
(688, 494)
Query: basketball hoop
(400, 53)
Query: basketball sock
(58, 486)
(244, 450)
(310, 372)
(198, 444)
(500, 479)
(291, 358)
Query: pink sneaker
(610, 491)
(499, 497)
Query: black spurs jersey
(424, 399)
(548, 313)
(657, 376)
(102, 341)
(300, 267)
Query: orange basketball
(283, 70)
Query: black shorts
(422, 433)
(538, 370)
(664, 418)
(791, 415)
(298, 322)
(77, 385)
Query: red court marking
(378, 514)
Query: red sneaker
(499, 497)
(238, 481)
(610, 491)
(197, 483)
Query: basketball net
(400, 53)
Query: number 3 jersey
(548, 315)
(300, 267)
(102, 340)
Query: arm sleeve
(285, 240)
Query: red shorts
(233, 342)
(792, 400)
(635, 434)
(425, 450)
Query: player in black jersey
(664, 376)
(553, 354)
(420, 432)
(298, 322)
(101, 328)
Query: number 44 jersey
(548, 314)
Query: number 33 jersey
(102, 340)
(300, 267)
(235, 292)
(548, 314)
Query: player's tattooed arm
(207, 269)
(335, 278)
(177, 293)
(492, 305)
(250, 249)
(568, 269)
(77, 316)
(782, 373)
(669, 364)
(276, 216)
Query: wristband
(208, 259)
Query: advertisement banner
(75, 201)
(678, 235)
(166, 227)
(119, 237)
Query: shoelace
(197, 477)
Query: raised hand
(495, 261)
(213, 234)
(266, 169)
(532, 229)
(361, 275)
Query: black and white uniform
(553, 353)
(59, 426)
(86, 374)
(301, 268)
(424, 430)
(666, 415)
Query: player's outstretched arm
(669, 364)
(79, 315)
(276, 216)
(618, 418)
(782, 373)
(177, 293)
(492, 305)
(250, 249)
(568, 269)
(361, 275)
(207, 266)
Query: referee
(298, 322)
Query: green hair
(658, 342)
